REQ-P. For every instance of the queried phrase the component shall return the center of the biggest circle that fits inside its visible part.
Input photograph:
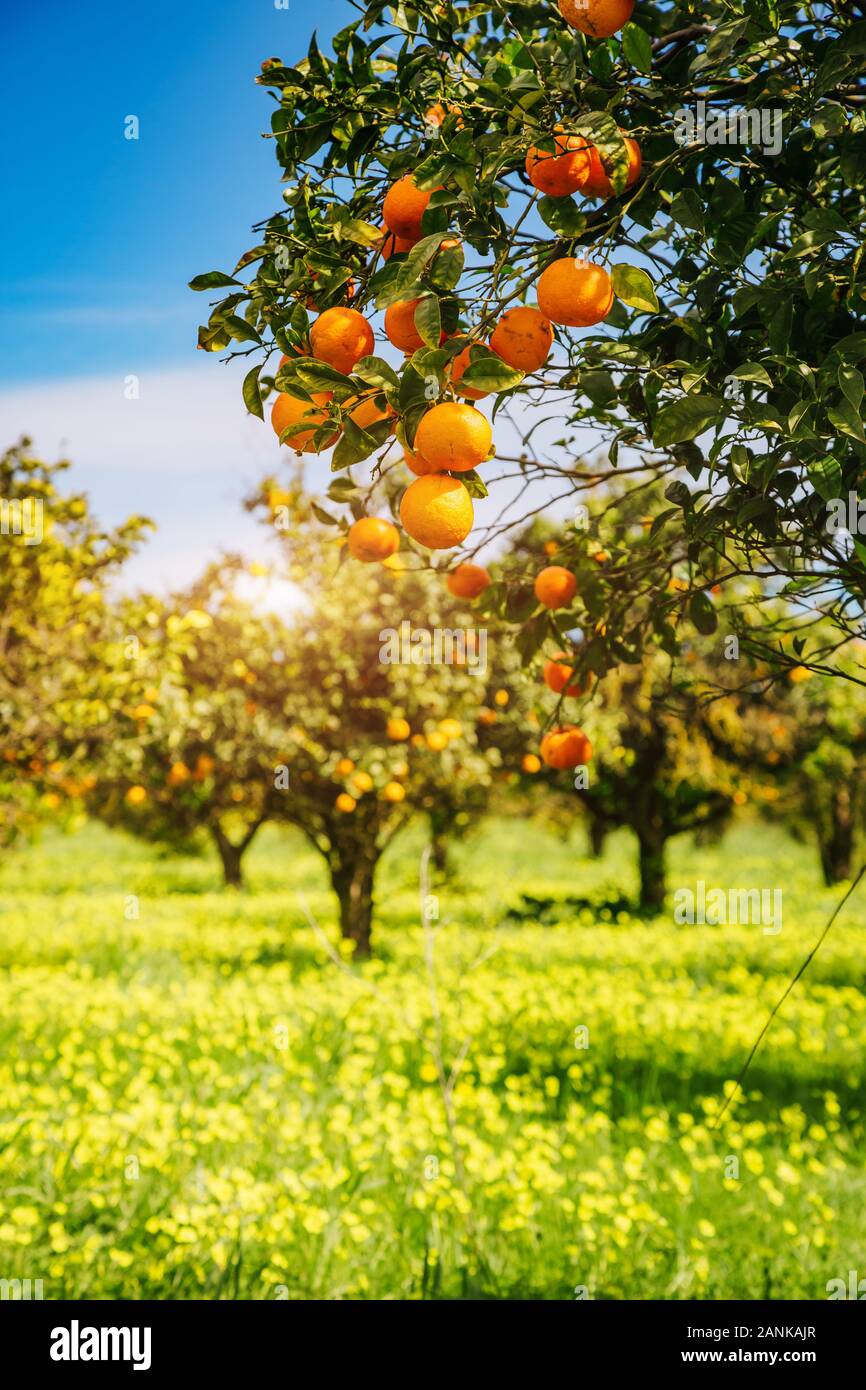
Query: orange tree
(57, 696)
(200, 740)
(640, 217)
(385, 687)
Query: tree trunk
(836, 838)
(439, 845)
(231, 854)
(597, 836)
(352, 878)
(651, 844)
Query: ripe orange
(366, 412)
(345, 803)
(204, 766)
(418, 465)
(362, 782)
(403, 208)
(566, 746)
(437, 511)
(437, 740)
(341, 337)
(523, 338)
(575, 292)
(398, 729)
(598, 18)
(344, 767)
(598, 184)
(178, 774)
(136, 795)
(555, 587)
(400, 325)
(468, 581)
(392, 791)
(458, 367)
(531, 763)
(454, 436)
(560, 173)
(550, 547)
(557, 675)
(392, 245)
(292, 410)
(372, 538)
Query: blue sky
(105, 232)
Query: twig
(790, 986)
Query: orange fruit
(400, 325)
(392, 245)
(454, 436)
(344, 767)
(555, 587)
(561, 172)
(575, 292)
(398, 729)
(437, 740)
(292, 410)
(598, 18)
(372, 538)
(204, 766)
(366, 412)
(523, 338)
(531, 763)
(566, 746)
(557, 675)
(362, 782)
(392, 791)
(468, 581)
(136, 795)
(437, 511)
(178, 773)
(550, 547)
(345, 803)
(598, 184)
(341, 337)
(403, 208)
(418, 465)
(458, 367)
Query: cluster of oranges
(359, 783)
(453, 437)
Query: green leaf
(637, 47)
(473, 483)
(752, 371)
(685, 419)
(355, 444)
(846, 419)
(319, 376)
(252, 395)
(239, 329)
(428, 319)
(825, 475)
(354, 229)
(562, 215)
(376, 372)
(323, 516)
(703, 614)
(688, 210)
(212, 280)
(851, 384)
(488, 372)
(633, 286)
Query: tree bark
(836, 838)
(597, 836)
(352, 878)
(231, 854)
(438, 845)
(651, 843)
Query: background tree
(57, 695)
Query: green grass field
(200, 1103)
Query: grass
(196, 1102)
